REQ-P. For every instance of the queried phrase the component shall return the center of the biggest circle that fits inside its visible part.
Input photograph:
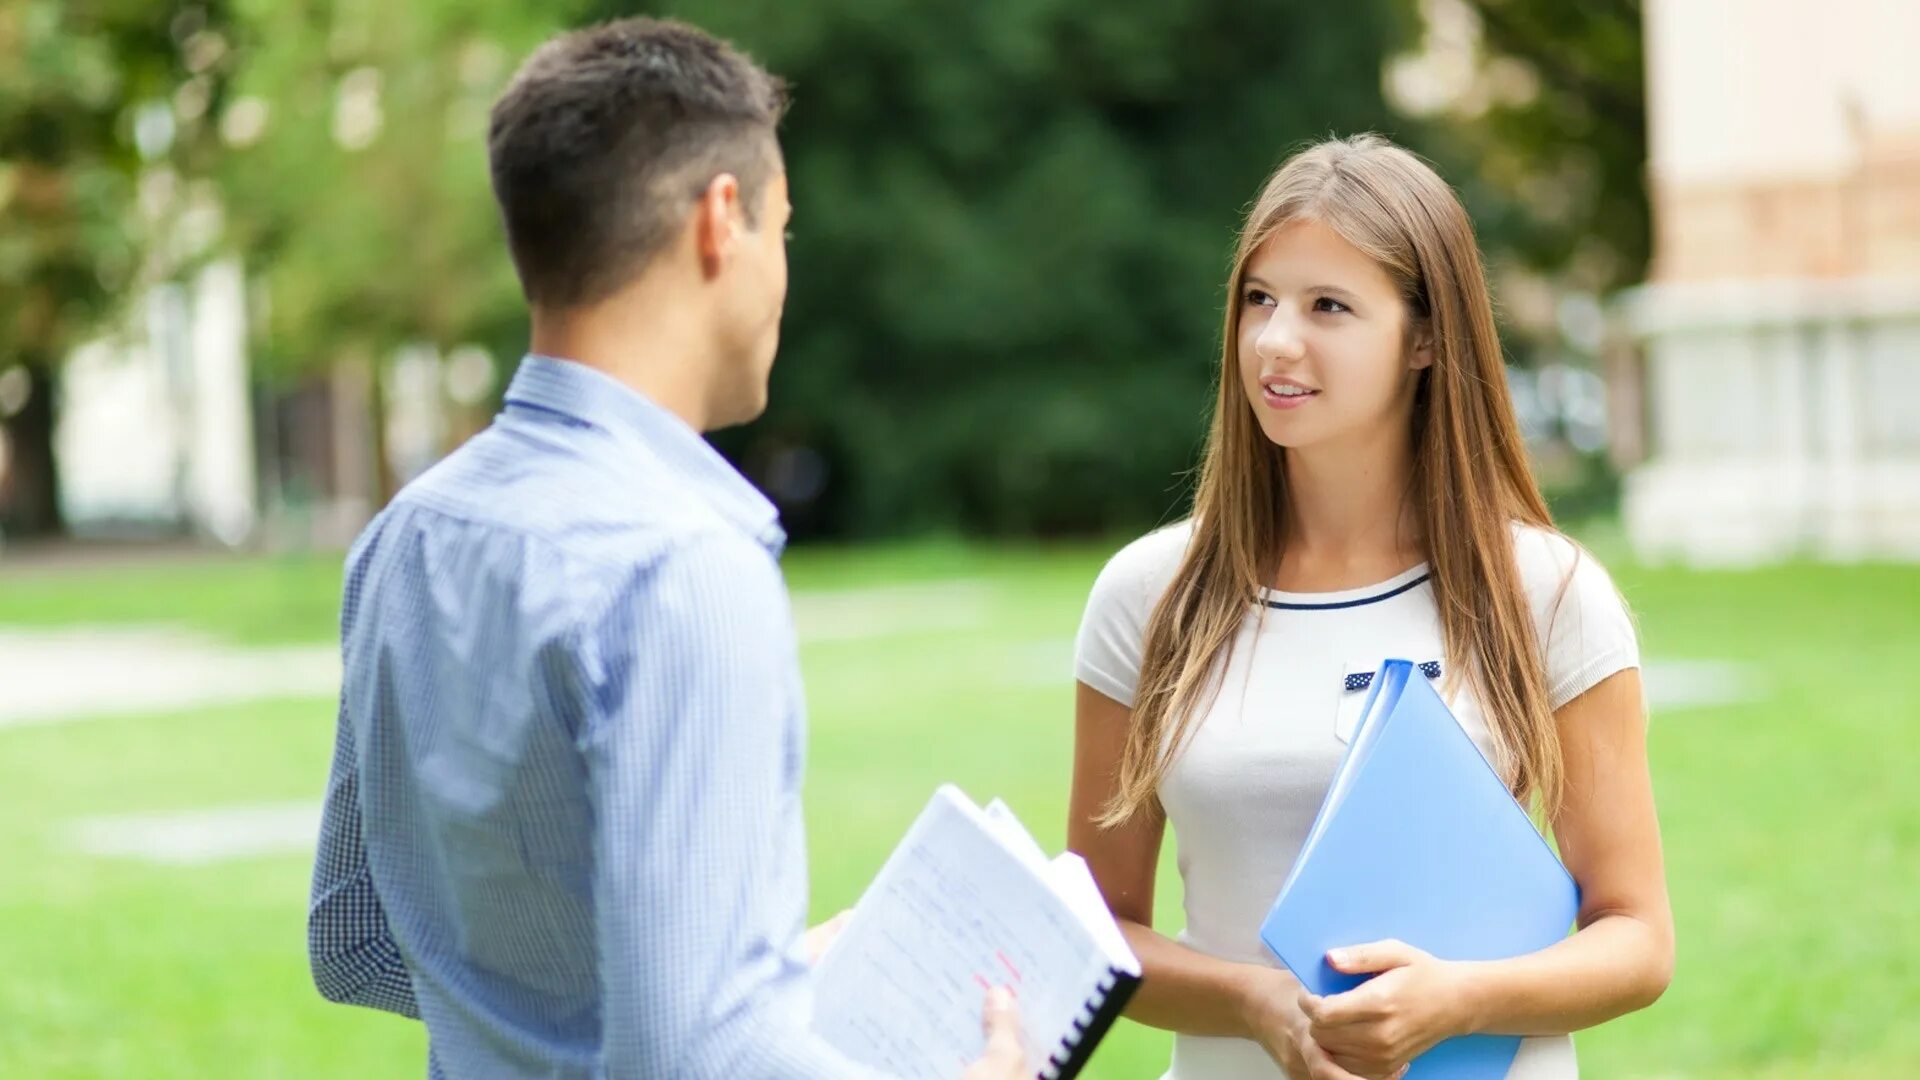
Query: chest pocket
(1355, 682)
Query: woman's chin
(1286, 436)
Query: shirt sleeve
(350, 949)
(1113, 628)
(685, 755)
(1584, 628)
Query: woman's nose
(1279, 339)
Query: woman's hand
(1271, 1007)
(1377, 1028)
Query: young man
(563, 825)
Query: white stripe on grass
(887, 610)
(1700, 684)
(53, 675)
(198, 837)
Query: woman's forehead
(1306, 248)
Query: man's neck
(646, 339)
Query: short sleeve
(1114, 627)
(1584, 628)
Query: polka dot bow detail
(1360, 680)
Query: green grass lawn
(1792, 825)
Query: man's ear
(717, 221)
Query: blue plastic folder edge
(1465, 1058)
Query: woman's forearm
(1613, 966)
(1187, 991)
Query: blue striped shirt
(563, 822)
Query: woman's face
(1323, 347)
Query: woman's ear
(1420, 356)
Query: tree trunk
(29, 481)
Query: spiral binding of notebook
(1088, 1029)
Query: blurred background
(252, 282)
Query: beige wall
(1779, 340)
(1784, 138)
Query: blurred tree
(1538, 111)
(356, 181)
(1572, 154)
(338, 145)
(101, 103)
(1013, 216)
(1013, 221)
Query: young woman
(1365, 495)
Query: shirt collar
(586, 394)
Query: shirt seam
(673, 536)
(1588, 675)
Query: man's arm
(349, 947)
(685, 743)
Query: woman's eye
(1255, 296)
(1328, 303)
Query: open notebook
(967, 901)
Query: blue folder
(1418, 839)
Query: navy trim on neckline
(1283, 605)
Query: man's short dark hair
(606, 136)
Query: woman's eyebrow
(1255, 279)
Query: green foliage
(1012, 225)
(362, 206)
(67, 76)
(1560, 173)
(102, 116)
(1013, 216)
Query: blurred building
(155, 427)
(165, 429)
(1779, 385)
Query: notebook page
(951, 913)
(1015, 834)
(1074, 883)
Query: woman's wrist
(1258, 992)
(1474, 993)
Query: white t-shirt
(1244, 791)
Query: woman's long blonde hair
(1471, 482)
